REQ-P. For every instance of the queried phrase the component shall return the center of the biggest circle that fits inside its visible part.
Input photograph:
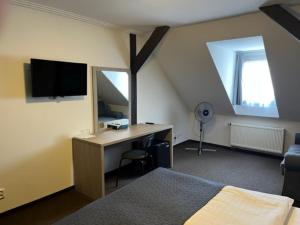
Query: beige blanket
(294, 217)
(235, 206)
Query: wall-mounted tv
(58, 79)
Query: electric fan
(203, 113)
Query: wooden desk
(88, 154)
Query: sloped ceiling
(108, 92)
(185, 58)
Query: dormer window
(244, 71)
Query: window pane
(257, 89)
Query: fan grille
(204, 112)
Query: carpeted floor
(243, 169)
(46, 211)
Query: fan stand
(200, 149)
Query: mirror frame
(95, 70)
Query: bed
(104, 121)
(107, 116)
(162, 197)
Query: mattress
(165, 197)
(162, 197)
(237, 206)
(103, 121)
(294, 217)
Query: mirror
(113, 97)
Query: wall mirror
(111, 97)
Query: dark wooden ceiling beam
(283, 17)
(133, 80)
(148, 48)
(137, 61)
(132, 50)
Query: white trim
(270, 112)
(66, 14)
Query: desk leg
(169, 138)
(88, 162)
(102, 189)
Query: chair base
(142, 164)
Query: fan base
(200, 152)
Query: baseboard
(180, 142)
(11, 211)
(211, 144)
(249, 151)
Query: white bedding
(235, 206)
(103, 124)
(294, 218)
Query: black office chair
(139, 155)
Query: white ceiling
(148, 13)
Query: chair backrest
(297, 139)
(147, 141)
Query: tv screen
(58, 79)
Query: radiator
(252, 137)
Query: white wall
(218, 130)
(225, 61)
(35, 136)
(188, 64)
(158, 101)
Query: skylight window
(255, 88)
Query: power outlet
(2, 194)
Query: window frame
(241, 58)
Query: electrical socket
(2, 195)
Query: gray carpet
(242, 169)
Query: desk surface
(110, 137)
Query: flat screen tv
(58, 79)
